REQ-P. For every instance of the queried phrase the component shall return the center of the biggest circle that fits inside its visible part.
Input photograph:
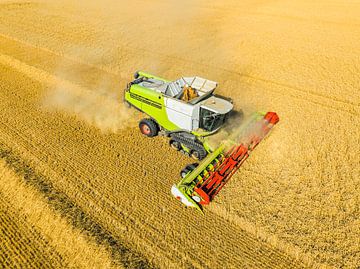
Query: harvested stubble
(298, 194)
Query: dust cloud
(101, 111)
(238, 129)
(99, 104)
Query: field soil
(81, 187)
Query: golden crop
(81, 187)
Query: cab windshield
(210, 120)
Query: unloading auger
(202, 182)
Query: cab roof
(217, 105)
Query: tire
(175, 145)
(192, 166)
(187, 169)
(148, 127)
(198, 155)
(136, 74)
(184, 172)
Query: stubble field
(80, 186)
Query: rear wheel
(148, 127)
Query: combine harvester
(190, 114)
(202, 182)
(185, 110)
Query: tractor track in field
(59, 54)
(61, 203)
(106, 205)
(305, 20)
(318, 99)
(88, 194)
(78, 218)
(42, 77)
(293, 205)
(115, 210)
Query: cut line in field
(95, 199)
(59, 54)
(106, 113)
(40, 76)
(32, 210)
(299, 93)
(305, 20)
(78, 218)
(258, 261)
(295, 202)
(166, 194)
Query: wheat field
(81, 187)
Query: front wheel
(148, 127)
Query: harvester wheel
(187, 169)
(184, 172)
(175, 144)
(198, 154)
(192, 166)
(148, 127)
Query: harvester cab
(186, 110)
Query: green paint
(151, 103)
(187, 184)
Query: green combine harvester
(188, 111)
(186, 118)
